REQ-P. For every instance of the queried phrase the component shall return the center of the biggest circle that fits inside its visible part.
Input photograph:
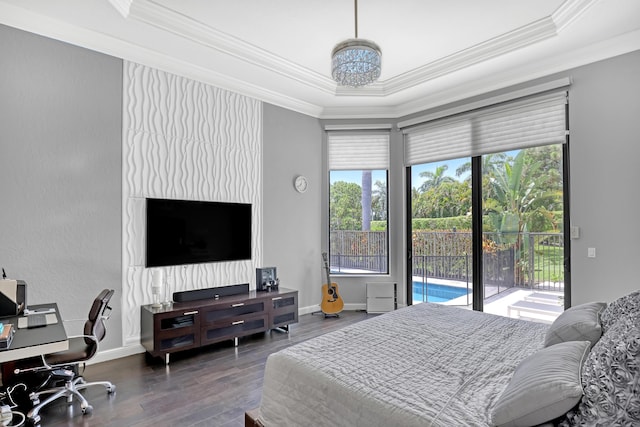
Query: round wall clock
(300, 184)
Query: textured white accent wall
(184, 140)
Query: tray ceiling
(278, 51)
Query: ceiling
(433, 51)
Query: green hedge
(460, 223)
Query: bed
(434, 365)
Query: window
(358, 183)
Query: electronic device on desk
(267, 279)
(36, 321)
(13, 297)
(6, 335)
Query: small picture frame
(266, 279)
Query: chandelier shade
(355, 62)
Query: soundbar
(210, 293)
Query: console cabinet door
(284, 310)
(176, 331)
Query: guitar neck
(326, 267)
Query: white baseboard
(316, 308)
(116, 353)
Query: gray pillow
(579, 323)
(611, 380)
(626, 306)
(544, 386)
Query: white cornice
(569, 11)
(509, 42)
(100, 42)
(122, 6)
(152, 13)
(625, 43)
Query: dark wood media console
(193, 324)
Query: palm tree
(514, 191)
(434, 179)
(379, 201)
(366, 200)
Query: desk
(34, 342)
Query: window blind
(524, 123)
(358, 151)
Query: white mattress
(424, 365)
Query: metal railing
(363, 251)
(533, 260)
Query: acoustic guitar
(331, 302)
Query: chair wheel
(111, 389)
(35, 399)
(87, 410)
(35, 421)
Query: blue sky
(356, 176)
(416, 180)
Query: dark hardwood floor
(212, 386)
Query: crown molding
(620, 45)
(521, 37)
(27, 20)
(169, 20)
(569, 11)
(122, 6)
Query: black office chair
(63, 366)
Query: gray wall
(604, 114)
(60, 192)
(291, 228)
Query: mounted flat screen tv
(192, 232)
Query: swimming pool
(436, 293)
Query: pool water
(436, 293)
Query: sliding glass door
(441, 250)
(523, 233)
(519, 252)
(487, 206)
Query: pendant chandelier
(355, 62)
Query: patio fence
(364, 251)
(532, 260)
